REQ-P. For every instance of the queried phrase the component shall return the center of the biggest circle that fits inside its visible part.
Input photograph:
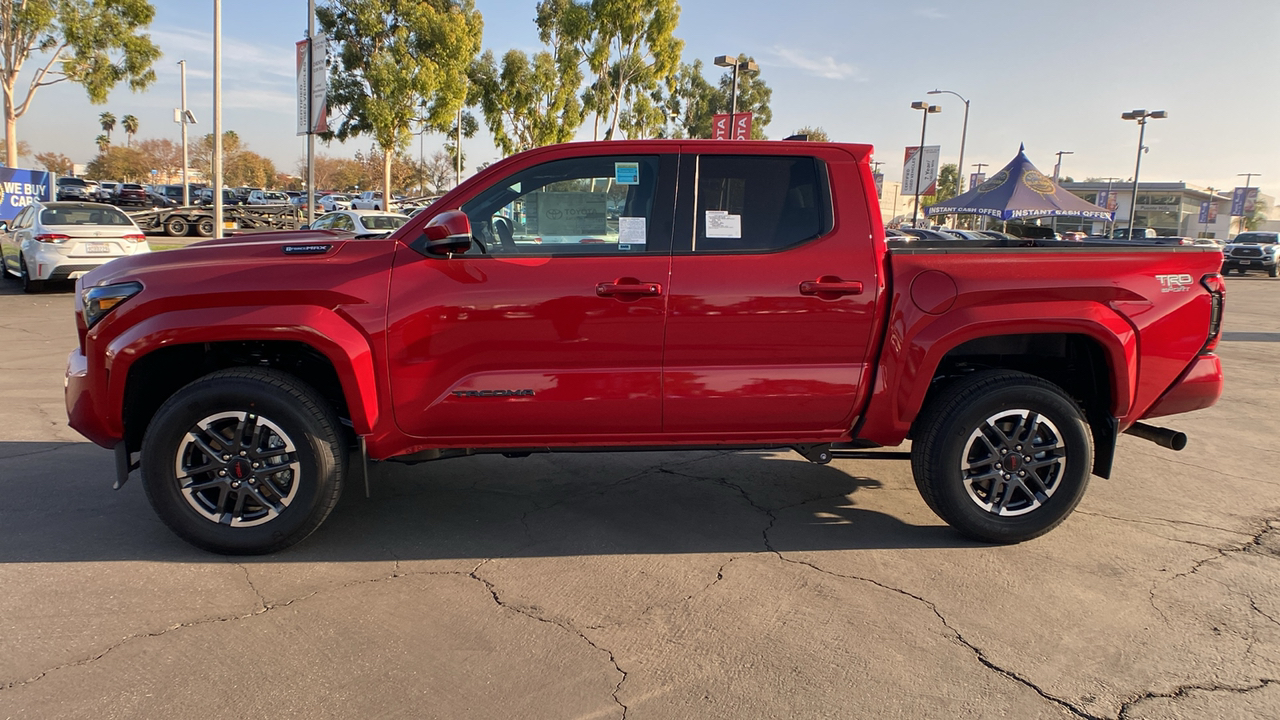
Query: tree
(1258, 218)
(634, 53)
(108, 123)
(439, 170)
(130, 125)
(55, 162)
(816, 134)
(528, 102)
(701, 101)
(161, 154)
(333, 172)
(117, 163)
(96, 43)
(397, 62)
(948, 176)
(24, 150)
(103, 142)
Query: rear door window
(759, 203)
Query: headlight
(100, 300)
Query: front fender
(917, 342)
(326, 331)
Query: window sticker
(720, 224)
(626, 173)
(632, 230)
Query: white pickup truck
(369, 200)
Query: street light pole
(182, 118)
(1141, 116)
(732, 61)
(964, 133)
(217, 118)
(927, 108)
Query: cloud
(824, 67)
(930, 13)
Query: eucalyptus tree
(398, 61)
(94, 43)
(528, 102)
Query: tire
(28, 285)
(231, 505)
(970, 459)
(175, 227)
(204, 228)
(1273, 271)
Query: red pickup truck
(636, 296)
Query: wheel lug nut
(1022, 473)
(235, 484)
(259, 464)
(1027, 458)
(222, 473)
(1004, 451)
(1019, 448)
(226, 457)
(243, 453)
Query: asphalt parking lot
(674, 585)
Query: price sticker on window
(626, 173)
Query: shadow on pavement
(1250, 337)
(58, 506)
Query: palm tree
(130, 125)
(103, 142)
(108, 123)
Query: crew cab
(1253, 251)
(743, 296)
(368, 200)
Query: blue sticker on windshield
(626, 173)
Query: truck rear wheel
(175, 227)
(243, 461)
(204, 228)
(1002, 456)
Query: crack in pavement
(1161, 522)
(1183, 691)
(60, 446)
(493, 592)
(262, 601)
(1211, 470)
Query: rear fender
(917, 342)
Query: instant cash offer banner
(21, 188)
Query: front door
(772, 298)
(551, 326)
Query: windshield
(383, 222)
(83, 216)
(1257, 237)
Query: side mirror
(4, 226)
(447, 233)
(304, 227)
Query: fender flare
(322, 329)
(909, 360)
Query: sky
(1054, 75)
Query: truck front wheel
(1002, 456)
(243, 461)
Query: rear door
(773, 289)
(554, 333)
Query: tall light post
(1141, 116)
(1248, 177)
(964, 132)
(732, 61)
(926, 108)
(217, 119)
(182, 118)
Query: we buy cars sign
(911, 169)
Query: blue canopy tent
(1019, 190)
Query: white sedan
(64, 240)
(334, 202)
(361, 222)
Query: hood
(253, 262)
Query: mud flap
(124, 464)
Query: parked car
(205, 197)
(172, 192)
(73, 188)
(923, 234)
(335, 201)
(1252, 251)
(156, 199)
(997, 235)
(360, 222)
(369, 200)
(267, 197)
(132, 194)
(107, 190)
(965, 234)
(1122, 233)
(64, 240)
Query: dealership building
(1171, 208)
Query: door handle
(628, 286)
(830, 286)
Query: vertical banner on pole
(319, 84)
(913, 160)
(304, 92)
(742, 126)
(720, 127)
(976, 179)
